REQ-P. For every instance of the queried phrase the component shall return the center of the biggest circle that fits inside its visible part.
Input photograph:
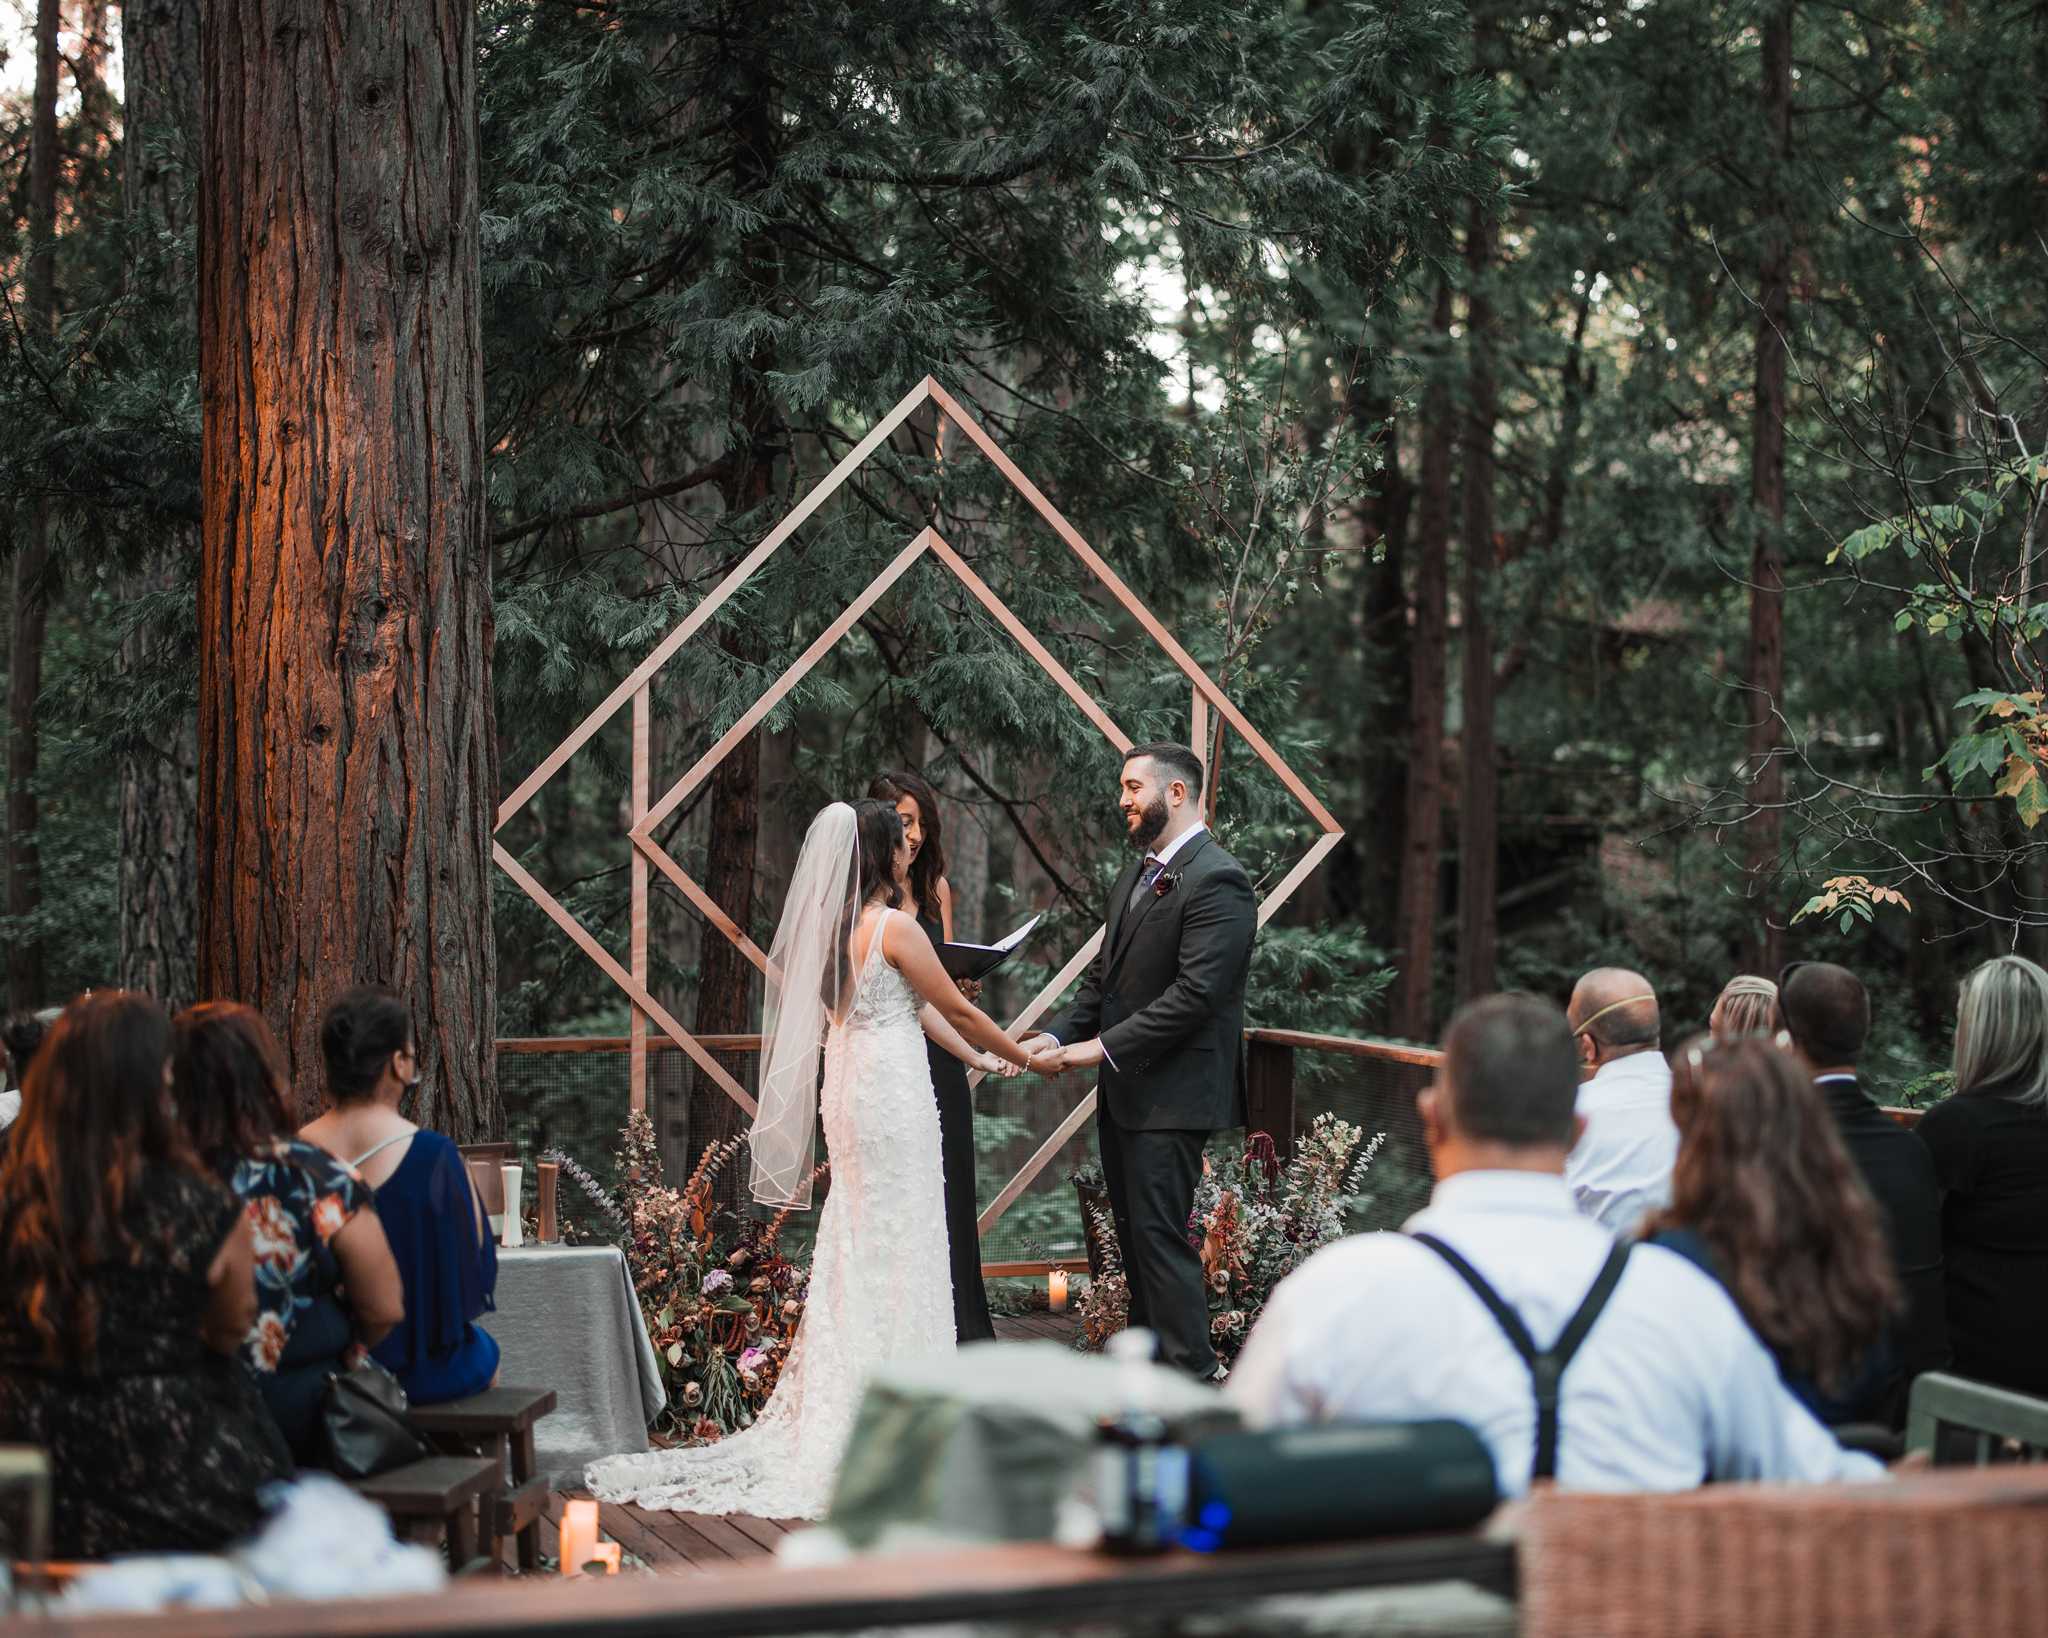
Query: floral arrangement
(721, 1301)
(1255, 1221)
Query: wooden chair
(438, 1499)
(498, 1424)
(1947, 1415)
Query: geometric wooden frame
(632, 979)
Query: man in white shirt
(1620, 1169)
(1668, 1386)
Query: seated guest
(431, 1215)
(1765, 1199)
(19, 1038)
(126, 1287)
(325, 1279)
(1620, 1171)
(1667, 1386)
(1747, 1005)
(1826, 1011)
(1990, 1146)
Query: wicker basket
(1951, 1553)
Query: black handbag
(366, 1423)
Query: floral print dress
(297, 1197)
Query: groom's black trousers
(1151, 1177)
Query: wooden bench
(438, 1499)
(498, 1424)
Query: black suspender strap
(1546, 1365)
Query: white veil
(808, 980)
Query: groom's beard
(1151, 824)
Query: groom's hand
(1082, 1055)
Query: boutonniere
(1164, 883)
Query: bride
(855, 978)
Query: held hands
(1048, 1057)
(992, 1064)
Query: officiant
(931, 902)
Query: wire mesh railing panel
(1378, 1095)
(1012, 1119)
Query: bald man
(1620, 1169)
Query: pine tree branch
(618, 503)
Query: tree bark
(1766, 668)
(1422, 847)
(347, 763)
(1384, 638)
(1479, 790)
(31, 570)
(159, 838)
(725, 977)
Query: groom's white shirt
(1165, 857)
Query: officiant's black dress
(956, 1144)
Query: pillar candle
(1056, 1290)
(579, 1535)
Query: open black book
(977, 961)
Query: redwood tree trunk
(1384, 638)
(1422, 846)
(725, 977)
(1766, 669)
(1479, 779)
(159, 844)
(32, 562)
(347, 771)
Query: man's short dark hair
(1826, 1009)
(1511, 1072)
(1174, 759)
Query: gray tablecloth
(566, 1319)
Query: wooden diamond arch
(631, 977)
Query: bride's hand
(993, 1065)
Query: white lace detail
(881, 1288)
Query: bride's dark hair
(877, 832)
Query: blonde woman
(1747, 1005)
(1990, 1146)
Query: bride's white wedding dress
(879, 1290)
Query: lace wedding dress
(879, 1290)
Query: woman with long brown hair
(126, 1287)
(1765, 1198)
(326, 1283)
(929, 899)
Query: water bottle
(1141, 1475)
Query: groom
(1162, 1011)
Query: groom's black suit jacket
(1166, 995)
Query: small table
(567, 1319)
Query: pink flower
(277, 1244)
(266, 1341)
(752, 1360)
(329, 1216)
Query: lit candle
(607, 1554)
(1056, 1290)
(579, 1535)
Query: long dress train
(880, 1288)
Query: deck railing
(569, 1092)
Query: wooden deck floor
(681, 1542)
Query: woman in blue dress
(431, 1215)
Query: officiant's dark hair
(930, 863)
(1176, 759)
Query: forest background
(1600, 445)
